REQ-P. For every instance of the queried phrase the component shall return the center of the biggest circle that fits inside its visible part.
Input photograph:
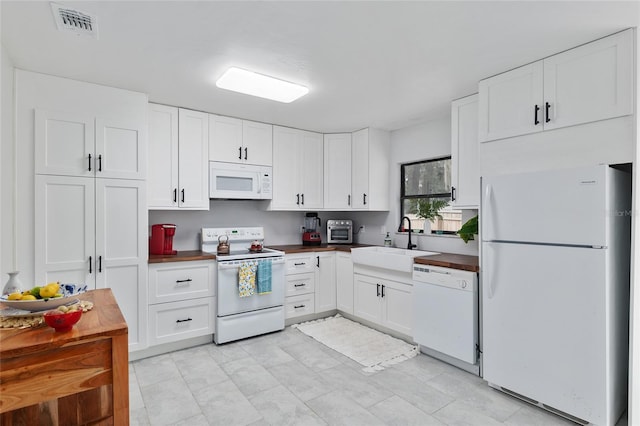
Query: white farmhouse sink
(396, 259)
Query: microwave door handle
(259, 183)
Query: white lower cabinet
(344, 282)
(325, 290)
(297, 306)
(311, 283)
(384, 302)
(181, 301)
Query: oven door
(229, 300)
(340, 235)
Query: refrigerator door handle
(488, 272)
(487, 213)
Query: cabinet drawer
(300, 263)
(170, 322)
(180, 281)
(296, 306)
(300, 284)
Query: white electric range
(240, 317)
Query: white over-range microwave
(239, 181)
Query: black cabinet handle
(100, 162)
(364, 199)
(535, 115)
(318, 261)
(299, 264)
(90, 262)
(99, 263)
(184, 281)
(239, 153)
(300, 285)
(378, 290)
(175, 195)
(546, 112)
(302, 199)
(89, 162)
(245, 153)
(453, 193)
(299, 306)
(349, 199)
(382, 292)
(182, 194)
(298, 199)
(184, 320)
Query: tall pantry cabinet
(90, 220)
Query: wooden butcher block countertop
(450, 260)
(299, 248)
(182, 256)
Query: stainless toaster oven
(339, 231)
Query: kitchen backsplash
(283, 227)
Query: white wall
(420, 142)
(7, 181)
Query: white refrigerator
(555, 260)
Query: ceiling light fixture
(263, 86)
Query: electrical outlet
(383, 230)
(302, 229)
(362, 229)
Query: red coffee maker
(161, 239)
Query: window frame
(404, 197)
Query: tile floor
(287, 378)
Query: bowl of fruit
(63, 317)
(43, 298)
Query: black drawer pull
(184, 320)
(299, 264)
(184, 281)
(299, 306)
(300, 285)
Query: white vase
(13, 285)
(427, 226)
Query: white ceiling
(388, 64)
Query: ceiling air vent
(74, 21)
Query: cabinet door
(286, 159)
(225, 139)
(344, 282)
(257, 141)
(397, 306)
(121, 250)
(64, 143)
(511, 104)
(310, 172)
(162, 184)
(326, 285)
(360, 170)
(465, 173)
(193, 164)
(337, 171)
(64, 230)
(121, 149)
(591, 82)
(366, 298)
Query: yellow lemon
(49, 290)
(28, 297)
(14, 296)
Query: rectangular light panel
(263, 86)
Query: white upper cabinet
(193, 152)
(589, 83)
(337, 171)
(233, 140)
(465, 171)
(510, 103)
(370, 169)
(297, 169)
(178, 159)
(73, 144)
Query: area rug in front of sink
(368, 347)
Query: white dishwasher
(445, 313)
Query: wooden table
(68, 378)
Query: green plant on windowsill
(469, 229)
(429, 209)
